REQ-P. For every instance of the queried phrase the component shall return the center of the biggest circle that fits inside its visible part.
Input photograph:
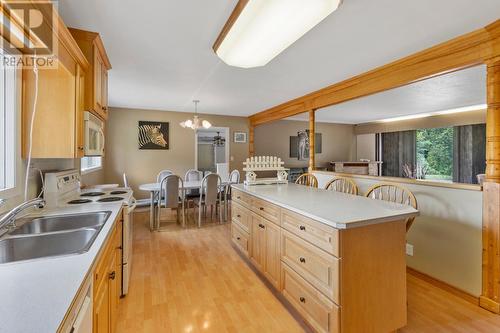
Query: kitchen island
(337, 259)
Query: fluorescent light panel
(437, 113)
(265, 28)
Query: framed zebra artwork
(153, 135)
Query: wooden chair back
(394, 193)
(342, 184)
(307, 179)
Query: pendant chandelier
(196, 122)
(218, 140)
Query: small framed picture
(240, 137)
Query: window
(89, 164)
(435, 153)
(8, 127)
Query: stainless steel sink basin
(51, 236)
(39, 225)
(46, 245)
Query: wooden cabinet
(58, 122)
(107, 283)
(96, 83)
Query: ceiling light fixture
(196, 122)
(437, 113)
(218, 141)
(259, 30)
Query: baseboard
(445, 286)
(489, 304)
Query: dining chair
(307, 179)
(174, 195)
(209, 196)
(234, 178)
(125, 180)
(192, 175)
(394, 193)
(163, 174)
(342, 184)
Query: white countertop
(35, 295)
(336, 209)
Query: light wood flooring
(192, 280)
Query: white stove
(62, 189)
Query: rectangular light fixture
(436, 113)
(258, 30)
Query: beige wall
(447, 236)
(274, 139)
(142, 166)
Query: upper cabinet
(96, 81)
(52, 102)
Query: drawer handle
(112, 275)
(302, 300)
(303, 228)
(238, 238)
(261, 208)
(262, 226)
(302, 260)
(238, 216)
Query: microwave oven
(94, 135)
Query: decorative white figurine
(265, 163)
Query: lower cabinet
(107, 283)
(265, 254)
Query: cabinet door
(97, 82)
(104, 90)
(272, 253)
(101, 309)
(113, 294)
(258, 237)
(79, 108)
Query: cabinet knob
(112, 275)
(302, 260)
(237, 238)
(261, 208)
(238, 216)
(238, 197)
(302, 300)
(303, 228)
(262, 226)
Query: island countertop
(336, 209)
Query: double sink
(50, 236)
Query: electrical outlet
(409, 249)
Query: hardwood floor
(194, 281)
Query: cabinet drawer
(242, 198)
(317, 233)
(241, 216)
(317, 310)
(267, 210)
(240, 238)
(314, 265)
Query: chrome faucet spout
(8, 220)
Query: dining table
(154, 190)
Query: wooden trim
(445, 286)
(459, 186)
(493, 122)
(251, 140)
(229, 23)
(465, 51)
(312, 139)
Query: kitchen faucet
(9, 219)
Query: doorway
(211, 148)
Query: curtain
(469, 153)
(398, 149)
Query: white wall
(447, 236)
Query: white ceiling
(162, 57)
(455, 90)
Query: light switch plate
(409, 249)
